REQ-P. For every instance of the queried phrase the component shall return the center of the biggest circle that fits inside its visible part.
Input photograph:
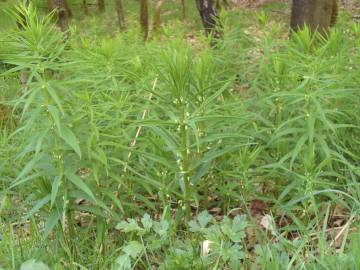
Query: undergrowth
(117, 154)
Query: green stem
(185, 164)
(60, 164)
(145, 252)
(218, 258)
(206, 194)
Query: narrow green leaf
(40, 203)
(298, 148)
(55, 188)
(24, 180)
(55, 116)
(55, 97)
(70, 138)
(28, 168)
(51, 222)
(77, 181)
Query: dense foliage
(173, 154)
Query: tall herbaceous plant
(51, 153)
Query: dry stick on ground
(137, 134)
(315, 235)
(356, 18)
(341, 229)
(345, 228)
(281, 12)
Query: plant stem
(146, 255)
(185, 164)
(206, 194)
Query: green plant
(262, 18)
(51, 149)
(101, 128)
(218, 244)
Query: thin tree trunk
(335, 13)
(157, 15)
(316, 14)
(67, 8)
(50, 5)
(63, 18)
(209, 16)
(183, 9)
(85, 7)
(218, 6)
(101, 5)
(144, 18)
(226, 4)
(120, 14)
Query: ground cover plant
(233, 150)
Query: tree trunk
(226, 4)
(157, 15)
(50, 5)
(209, 16)
(218, 6)
(67, 8)
(316, 14)
(120, 14)
(183, 9)
(335, 13)
(144, 18)
(61, 14)
(101, 5)
(85, 7)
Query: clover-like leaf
(234, 230)
(204, 218)
(33, 265)
(128, 226)
(162, 228)
(123, 262)
(147, 222)
(133, 249)
(201, 221)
